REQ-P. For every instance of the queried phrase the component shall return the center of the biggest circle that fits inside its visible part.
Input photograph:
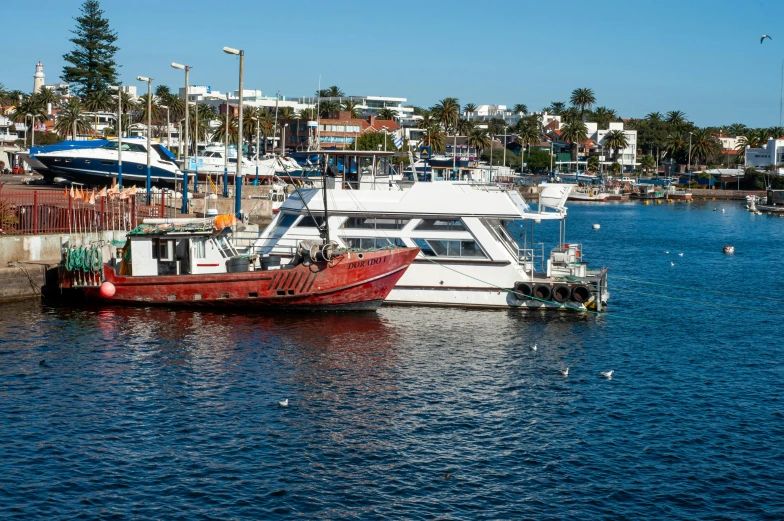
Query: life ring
(581, 294)
(523, 289)
(561, 293)
(542, 292)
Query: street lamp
(32, 127)
(283, 141)
(119, 133)
(256, 181)
(185, 68)
(689, 167)
(237, 180)
(149, 125)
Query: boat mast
(325, 225)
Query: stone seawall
(22, 281)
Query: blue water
(152, 414)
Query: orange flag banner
(92, 197)
(72, 192)
(65, 194)
(102, 193)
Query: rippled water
(152, 414)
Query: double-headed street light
(185, 68)
(119, 133)
(237, 180)
(149, 126)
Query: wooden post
(162, 210)
(35, 211)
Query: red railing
(30, 212)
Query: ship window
(285, 222)
(311, 222)
(441, 225)
(376, 223)
(369, 243)
(199, 251)
(107, 162)
(445, 248)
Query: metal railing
(33, 212)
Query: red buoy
(107, 290)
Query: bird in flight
(762, 38)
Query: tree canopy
(90, 66)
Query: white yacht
(212, 162)
(477, 241)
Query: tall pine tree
(91, 66)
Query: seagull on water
(565, 372)
(607, 374)
(680, 255)
(667, 252)
(533, 347)
(672, 263)
(723, 210)
(284, 403)
(762, 38)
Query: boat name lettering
(366, 263)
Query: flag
(398, 139)
(79, 194)
(92, 197)
(65, 188)
(212, 185)
(132, 190)
(86, 195)
(72, 192)
(102, 193)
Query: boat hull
(93, 172)
(350, 282)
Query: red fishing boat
(187, 262)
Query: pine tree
(91, 66)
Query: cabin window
(163, 250)
(199, 251)
(285, 222)
(311, 222)
(375, 223)
(445, 248)
(441, 225)
(369, 243)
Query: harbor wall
(732, 195)
(46, 248)
(23, 281)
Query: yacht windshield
(126, 147)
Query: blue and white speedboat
(99, 166)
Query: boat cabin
(190, 249)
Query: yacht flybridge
(477, 242)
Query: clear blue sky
(702, 57)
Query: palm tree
(737, 129)
(434, 137)
(47, 96)
(465, 127)
(570, 114)
(162, 91)
(285, 113)
(529, 135)
(603, 116)
(99, 100)
(654, 116)
(249, 124)
(674, 144)
(266, 126)
(351, 107)
(574, 132)
(306, 114)
(704, 146)
(520, 108)
(335, 92)
(556, 107)
(387, 114)
(219, 134)
(616, 140)
(328, 108)
(582, 98)
(71, 119)
(676, 118)
(776, 132)
(478, 139)
(447, 112)
(32, 106)
(142, 109)
(468, 109)
(593, 163)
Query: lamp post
(25, 128)
(689, 167)
(187, 69)
(226, 153)
(237, 180)
(283, 141)
(149, 125)
(256, 181)
(119, 133)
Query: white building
(627, 156)
(729, 143)
(770, 154)
(250, 98)
(371, 105)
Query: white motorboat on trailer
(477, 242)
(213, 162)
(100, 166)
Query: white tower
(38, 78)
